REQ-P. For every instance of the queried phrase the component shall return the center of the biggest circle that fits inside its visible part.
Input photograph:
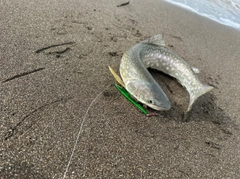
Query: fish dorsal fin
(156, 40)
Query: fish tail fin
(194, 96)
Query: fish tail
(194, 96)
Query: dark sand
(45, 95)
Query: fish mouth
(160, 108)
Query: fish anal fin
(117, 78)
(195, 70)
(156, 40)
(194, 96)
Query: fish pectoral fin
(117, 78)
(195, 70)
(156, 40)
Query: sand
(45, 95)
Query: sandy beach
(54, 58)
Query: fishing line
(80, 131)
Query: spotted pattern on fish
(152, 53)
(140, 83)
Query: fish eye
(150, 101)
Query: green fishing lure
(129, 98)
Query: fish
(152, 53)
(139, 82)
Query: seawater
(226, 12)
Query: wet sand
(54, 62)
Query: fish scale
(152, 53)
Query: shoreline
(223, 21)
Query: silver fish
(140, 83)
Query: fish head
(149, 94)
